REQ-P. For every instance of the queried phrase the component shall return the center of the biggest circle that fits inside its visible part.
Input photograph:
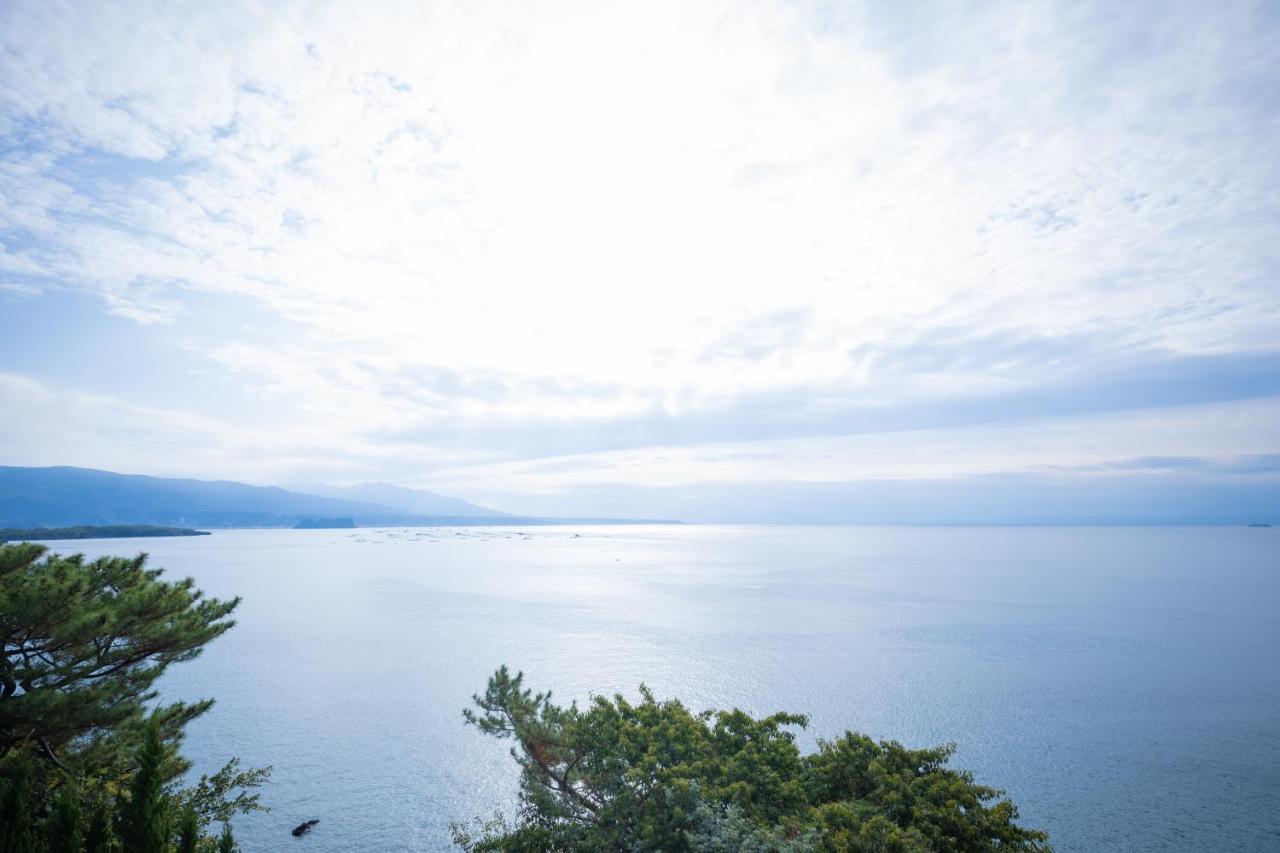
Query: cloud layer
(434, 243)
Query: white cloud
(52, 426)
(593, 211)
(1063, 446)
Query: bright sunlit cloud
(444, 244)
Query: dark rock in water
(303, 828)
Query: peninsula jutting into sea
(90, 531)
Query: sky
(741, 261)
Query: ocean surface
(1121, 684)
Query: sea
(1121, 684)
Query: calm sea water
(1122, 684)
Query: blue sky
(751, 260)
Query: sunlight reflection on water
(1121, 683)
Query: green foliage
(653, 776)
(83, 643)
(227, 841)
(228, 792)
(65, 825)
(725, 829)
(188, 840)
(17, 818)
(98, 835)
(144, 818)
(44, 810)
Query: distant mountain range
(413, 501)
(64, 497)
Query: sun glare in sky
(613, 258)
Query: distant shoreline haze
(65, 497)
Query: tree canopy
(654, 776)
(85, 640)
(88, 759)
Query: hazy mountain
(415, 501)
(52, 497)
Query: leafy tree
(654, 776)
(228, 792)
(724, 829)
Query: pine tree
(98, 835)
(64, 827)
(17, 824)
(227, 841)
(85, 642)
(144, 818)
(188, 831)
(655, 776)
